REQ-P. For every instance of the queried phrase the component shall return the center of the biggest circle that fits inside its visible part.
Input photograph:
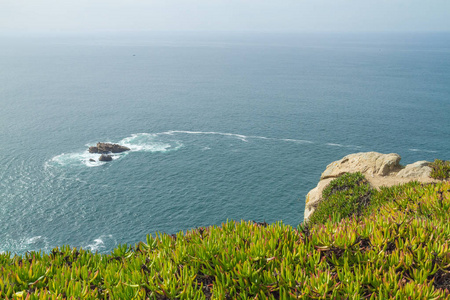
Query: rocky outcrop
(108, 148)
(419, 169)
(369, 163)
(105, 157)
(379, 169)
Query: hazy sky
(225, 15)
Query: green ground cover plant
(346, 195)
(396, 246)
(440, 169)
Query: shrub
(343, 197)
(440, 169)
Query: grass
(393, 246)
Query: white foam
(239, 136)
(35, 242)
(22, 244)
(99, 243)
(80, 158)
(260, 137)
(421, 150)
(148, 142)
(34, 239)
(136, 142)
(284, 140)
(298, 141)
(334, 145)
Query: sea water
(220, 126)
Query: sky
(225, 15)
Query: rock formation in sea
(379, 169)
(105, 157)
(108, 148)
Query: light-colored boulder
(314, 196)
(368, 163)
(418, 169)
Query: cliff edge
(379, 169)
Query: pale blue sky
(225, 15)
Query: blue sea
(221, 126)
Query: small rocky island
(105, 148)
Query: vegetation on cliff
(440, 169)
(389, 244)
(346, 195)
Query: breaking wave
(149, 142)
(101, 243)
(79, 159)
(139, 142)
(34, 243)
(164, 142)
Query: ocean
(222, 126)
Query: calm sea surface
(220, 126)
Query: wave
(17, 245)
(298, 141)
(241, 137)
(33, 243)
(79, 159)
(421, 150)
(148, 142)
(334, 145)
(163, 142)
(34, 239)
(343, 146)
(138, 142)
(100, 243)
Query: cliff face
(379, 169)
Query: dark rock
(91, 159)
(93, 149)
(107, 148)
(105, 157)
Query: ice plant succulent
(394, 246)
(440, 169)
